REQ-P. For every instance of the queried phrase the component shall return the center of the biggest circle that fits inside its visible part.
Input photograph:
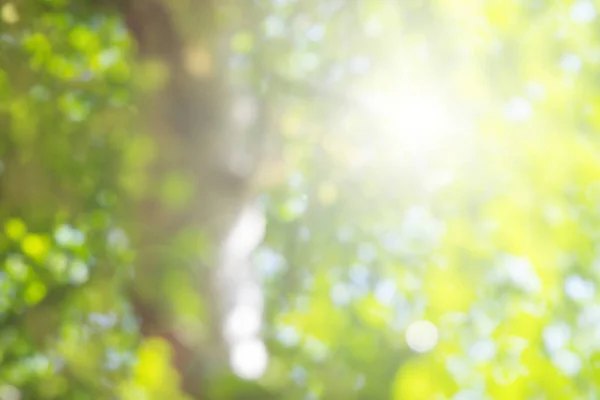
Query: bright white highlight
(242, 322)
(421, 336)
(579, 289)
(249, 359)
(242, 296)
(583, 12)
(414, 120)
(567, 361)
(423, 117)
(518, 109)
(571, 63)
(246, 234)
(520, 271)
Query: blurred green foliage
(441, 163)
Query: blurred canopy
(429, 172)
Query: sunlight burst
(414, 121)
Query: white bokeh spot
(422, 336)
(583, 12)
(243, 322)
(249, 359)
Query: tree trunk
(198, 181)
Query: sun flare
(419, 119)
(418, 131)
